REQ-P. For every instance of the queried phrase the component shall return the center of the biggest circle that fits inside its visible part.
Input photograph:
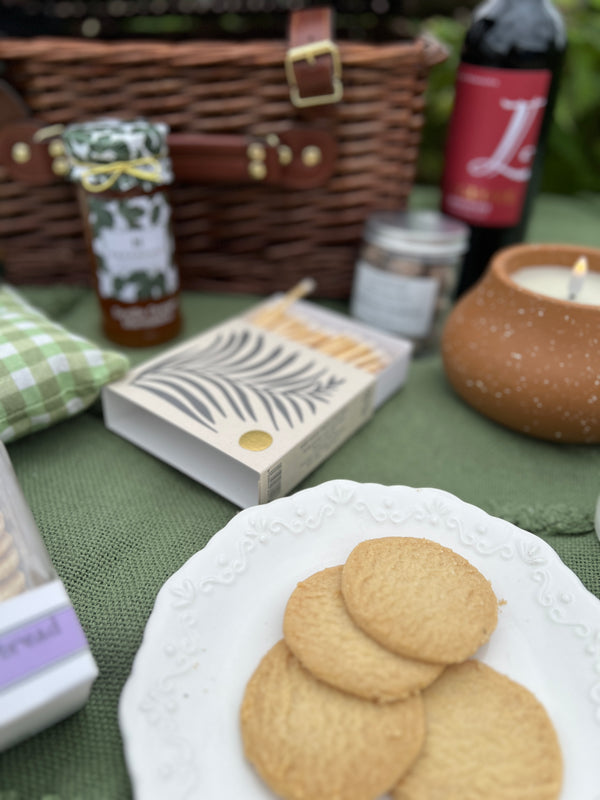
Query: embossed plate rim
(218, 614)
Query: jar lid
(419, 233)
(134, 151)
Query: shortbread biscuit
(9, 563)
(488, 738)
(12, 578)
(419, 598)
(6, 542)
(309, 740)
(319, 631)
(13, 585)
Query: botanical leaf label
(134, 248)
(238, 379)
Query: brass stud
(20, 152)
(272, 140)
(256, 151)
(257, 170)
(56, 148)
(60, 166)
(311, 156)
(285, 154)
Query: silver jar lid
(418, 233)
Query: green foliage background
(572, 161)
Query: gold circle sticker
(256, 440)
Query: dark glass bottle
(505, 91)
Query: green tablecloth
(118, 522)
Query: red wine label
(491, 143)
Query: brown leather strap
(297, 158)
(26, 160)
(313, 67)
(12, 105)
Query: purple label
(39, 644)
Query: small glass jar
(406, 273)
(121, 169)
(24, 560)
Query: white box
(46, 668)
(250, 412)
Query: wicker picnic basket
(247, 235)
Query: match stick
(335, 344)
(270, 315)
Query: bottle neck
(515, 34)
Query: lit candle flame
(577, 279)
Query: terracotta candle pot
(525, 359)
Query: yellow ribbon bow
(147, 168)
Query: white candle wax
(555, 281)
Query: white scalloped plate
(216, 617)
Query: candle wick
(577, 277)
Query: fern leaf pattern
(238, 373)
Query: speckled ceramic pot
(525, 360)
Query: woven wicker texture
(229, 238)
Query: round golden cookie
(488, 738)
(419, 598)
(319, 631)
(13, 585)
(6, 542)
(9, 563)
(309, 740)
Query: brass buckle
(309, 52)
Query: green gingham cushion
(46, 373)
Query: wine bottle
(506, 86)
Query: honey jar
(122, 169)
